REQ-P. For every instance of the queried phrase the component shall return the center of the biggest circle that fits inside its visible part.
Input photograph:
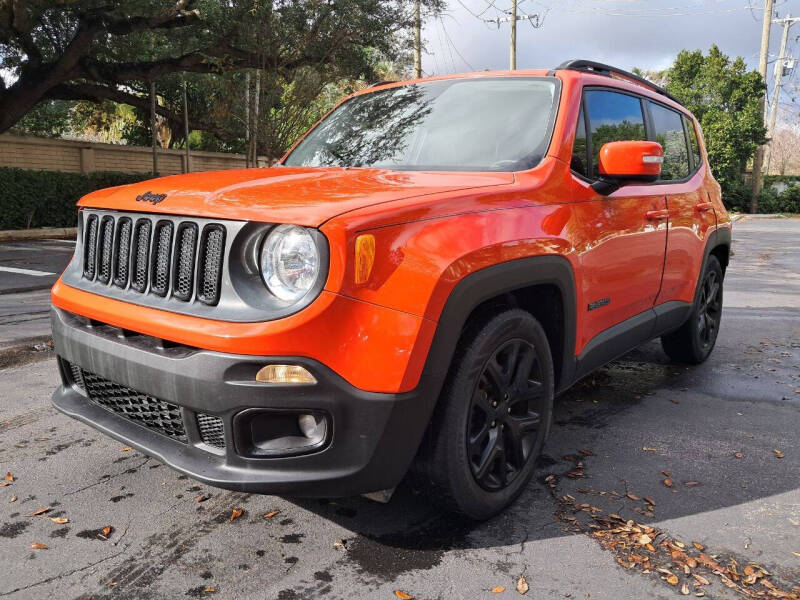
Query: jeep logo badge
(150, 197)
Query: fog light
(313, 427)
(284, 374)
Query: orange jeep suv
(409, 287)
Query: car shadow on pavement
(633, 439)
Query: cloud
(645, 34)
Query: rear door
(622, 236)
(691, 213)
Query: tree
(99, 50)
(724, 97)
(783, 153)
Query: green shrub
(47, 198)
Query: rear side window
(613, 117)
(693, 144)
(668, 129)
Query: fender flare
(721, 236)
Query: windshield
(497, 124)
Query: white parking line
(26, 272)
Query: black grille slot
(106, 249)
(77, 375)
(140, 251)
(209, 269)
(162, 247)
(123, 252)
(183, 274)
(90, 248)
(211, 429)
(157, 415)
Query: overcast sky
(625, 33)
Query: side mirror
(623, 162)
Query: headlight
(290, 262)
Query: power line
(450, 40)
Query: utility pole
(153, 126)
(417, 40)
(186, 126)
(780, 66)
(513, 18)
(758, 159)
(512, 63)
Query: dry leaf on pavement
(126, 449)
(644, 539)
(271, 514)
(647, 449)
(202, 498)
(59, 520)
(210, 590)
(107, 531)
(522, 583)
(672, 579)
(778, 454)
(668, 482)
(38, 546)
(9, 477)
(12, 499)
(40, 511)
(700, 579)
(587, 452)
(685, 589)
(237, 512)
(738, 455)
(698, 546)
(632, 496)
(498, 590)
(402, 595)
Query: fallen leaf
(778, 454)
(107, 530)
(522, 583)
(667, 482)
(202, 498)
(210, 590)
(685, 589)
(271, 514)
(12, 499)
(797, 554)
(587, 452)
(672, 579)
(738, 455)
(41, 511)
(402, 595)
(646, 449)
(644, 539)
(236, 513)
(698, 546)
(126, 449)
(632, 496)
(575, 474)
(691, 483)
(59, 520)
(666, 473)
(649, 500)
(9, 477)
(38, 546)
(498, 590)
(340, 544)
(4, 483)
(700, 579)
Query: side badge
(151, 197)
(599, 303)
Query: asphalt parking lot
(703, 461)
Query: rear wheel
(693, 342)
(492, 417)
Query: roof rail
(609, 71)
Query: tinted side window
(579, 155)
(694, 145)
(613, 117)
(668, 128)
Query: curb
(26, 350)
(46, 233)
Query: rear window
(668, 128)
(492, 124)
(693, 144)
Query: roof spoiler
(609, 71)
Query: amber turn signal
(365, 257)
(284, 374)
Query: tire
(693, 342)
(491, 422)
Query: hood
(300, 196)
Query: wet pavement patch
(12, 530)
(293, 538)
(92, 534)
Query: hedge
(737, 197)
(47, 198)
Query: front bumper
(372, 441)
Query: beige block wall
(83, 157)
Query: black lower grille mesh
(157, 415)
(211, 429)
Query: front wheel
(492, 418)
(693, 342)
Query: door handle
(704, 206)
(657, 215)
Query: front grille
(211, 430)
(167, 257)
(157, 415)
